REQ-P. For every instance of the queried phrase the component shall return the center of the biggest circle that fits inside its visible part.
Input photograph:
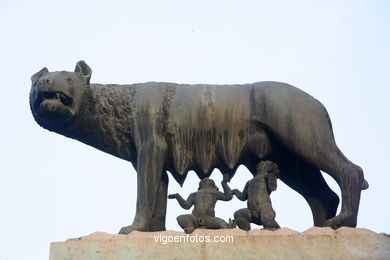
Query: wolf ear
(84, 70)
(39, 74)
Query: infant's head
(207, 183)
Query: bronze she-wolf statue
(162, 127)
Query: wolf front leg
(151, 187)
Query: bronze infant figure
(204, 200)
(257, 191)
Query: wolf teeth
(64, 99)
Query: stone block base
(315, 243)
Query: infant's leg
(216, 223)
(243, 218)
(267, 216)
(187, 222)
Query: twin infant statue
(257, 193)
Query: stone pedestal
(315, 243)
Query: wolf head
(56, 97)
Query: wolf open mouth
(52, 96)
(52, 106)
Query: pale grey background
(53, 188)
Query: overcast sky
(53, 188)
